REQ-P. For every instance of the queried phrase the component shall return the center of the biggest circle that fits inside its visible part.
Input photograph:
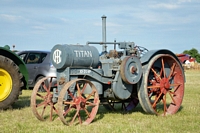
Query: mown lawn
(186, 120)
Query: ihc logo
(57, 56)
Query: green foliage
(194, 53)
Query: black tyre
(10, 82)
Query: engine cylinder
(63, 56)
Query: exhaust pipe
(104, 33)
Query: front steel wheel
(162, 87)
(42, 104)
(78, 99)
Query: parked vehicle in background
(39, 66)
(187, 60)
(184, 57)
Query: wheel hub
(49, 98)
(5, 85)
(164, 85)
(82, 104)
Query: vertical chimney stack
(104, 32)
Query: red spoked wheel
(78, 99)
(162, 87)
(41, 102)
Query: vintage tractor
(13, 77)
(86, 79)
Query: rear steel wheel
(162, 87)
(78, 99)
(41, 102)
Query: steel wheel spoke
(88, 114)
(45, 87)
(153, 86)
(163, 67)
(54, 108)
(41, 104)
(50, 83)
(79, 118)
(164, 104)
(154, 99)
(71, 95)
(161, 71)
(43, 110)
(155, 74)
(92, 93)
(79, 91)
(67, 102)
(84, 87)
(51, 112)
(90, 103)
(67, 111)
(77, 112)
(175, 85)
(154, 104)
(40, 96)
(172, 70)
(170, 93)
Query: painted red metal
(163, 83)
(41, 102)
(85, 106)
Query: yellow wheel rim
(5, 84)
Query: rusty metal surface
(78, 102)
(154, 78)
(162, 88)
(41, 102)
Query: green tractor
(13, 77)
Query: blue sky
(41, 24)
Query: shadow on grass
(22, 102)
(138, 108)
(119, 110)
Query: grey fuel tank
(63, 56)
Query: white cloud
(171, 5)
(39, 27)
(184, 1)
(65, 20)
(165, 5)
(165, 18)
(10, 18)
(144, 22)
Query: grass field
(186, 120)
